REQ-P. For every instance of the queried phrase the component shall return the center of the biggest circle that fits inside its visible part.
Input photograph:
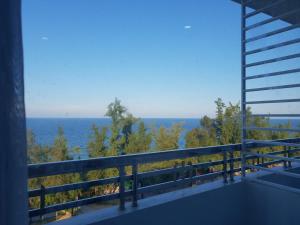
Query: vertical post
(140, 184)
(122, 187)
(13, 156)
(183, 175)
(231, 166)
(175, 171)
(225, 166)
(253, 163)
(257, 159)
(285, 155)
(134, 184)
(210, 169)
(190, 174)
(289, 155)
(243, 86)
(42, 202)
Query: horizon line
(38, 117)
(44, 117)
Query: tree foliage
(129, 135)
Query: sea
(78, 130)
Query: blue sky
(162, 58)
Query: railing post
(122, 187)
(140, 184)
(225, 166)
(253, 163)
(231, 166)
(42, 202)
(190, 173)
(134, 184)
(289, 155)
(183, 175)
(243, 88)
(257, 159)
(285, 155)
(175, 171)
(210, 169)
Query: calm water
(78, 130)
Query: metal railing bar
(243, 87)
(88, 184)
(238, 159)
(173, 184)
(231, 166)
(289, 174)
(270, 163)
(275, 115)
(263, 144)
(34, 193)
(147, 189)
(273, 143)
(63, 167)
(122, 188)
(135, 184)
(278, 59)
(273, 87)
(274, 101)
(275, 3)
(187, 179)
(261, 164)
(274, 157)
(73, 204)
(270, 20)
(272, 129)
(274, 46)
(285, 72)
(225, 162)
(80, 185)
(177, 169)
(77, 166)
(269, 34)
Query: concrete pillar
(13, 167)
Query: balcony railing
(183, 176)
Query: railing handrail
(74, 166)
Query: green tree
(121, 128)
(126, 127)
(116, 112)
(97, 144)
(281, 134)
(219, 119)
(35, 152)
(139, 141)
(257, 122)
(231, 128)
(166, 139)
(197, 137)
(59, 151)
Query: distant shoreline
(175, 118)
